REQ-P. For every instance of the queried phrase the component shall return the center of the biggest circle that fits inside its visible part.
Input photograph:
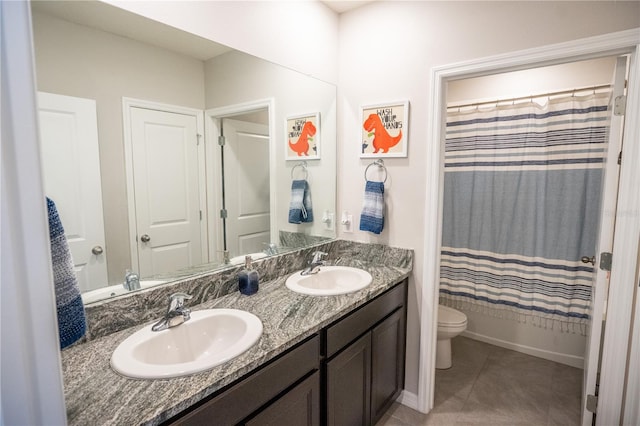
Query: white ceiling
(112, 19)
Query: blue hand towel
(372, 217)
(71, 318)
(300, 206)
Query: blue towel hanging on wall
(300, 207)
(372, 217)
(71, 318)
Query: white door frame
(214, 186)
(627, 226)
(127, 104)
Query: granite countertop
(95, 394)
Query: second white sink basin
(211, 337)
(330, 281)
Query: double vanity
(311, 359)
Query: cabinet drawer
(349, 328)
(247, 396)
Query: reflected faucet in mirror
(131, 281)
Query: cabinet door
(245, 397)
(298, 407)
(387, 363)
(348, 385)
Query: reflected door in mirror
(166, 185)
(246, 181)
(71, 169)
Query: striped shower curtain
(521, 207)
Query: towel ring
(304, 167)
(380, 164)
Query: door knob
(587, 259)
(145, 238)
(97, 250)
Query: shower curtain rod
(522, 98)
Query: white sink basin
(330, 281)
(211, 337)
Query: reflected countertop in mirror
(87, 51)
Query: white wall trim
(214, 195)
(31, 375)
(127, 104)
(589, 48)
(408, 399)
(566, 359)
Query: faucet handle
(317, 256)
(176, 300)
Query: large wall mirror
(168, 154)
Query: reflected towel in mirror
(300, 207)
(71, 318)
(372, 217)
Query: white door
(167, 205)
(71, 168)
(246, 186)
(605, 244)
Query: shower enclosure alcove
(524, 156)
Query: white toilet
(450, 324)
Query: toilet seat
(450, 318)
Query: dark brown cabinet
(347, 374)
(268, 385)
(349, 385)
(365, 377)
(387, 363)
(298, 407)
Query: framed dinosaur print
(384, 129)
(302, 133)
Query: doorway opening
(619, 303)
(525, 157)
(240, 174)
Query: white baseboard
(408, 399)
(571, 360)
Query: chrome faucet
(131, 281)
(176, 313)
(315, 264)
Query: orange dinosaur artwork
(382, 140)
(301, 146)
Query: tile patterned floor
(489, 385)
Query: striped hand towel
(300, 206)
(372, 217)
(71, 318)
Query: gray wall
(75, 60)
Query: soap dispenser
(248, 278)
